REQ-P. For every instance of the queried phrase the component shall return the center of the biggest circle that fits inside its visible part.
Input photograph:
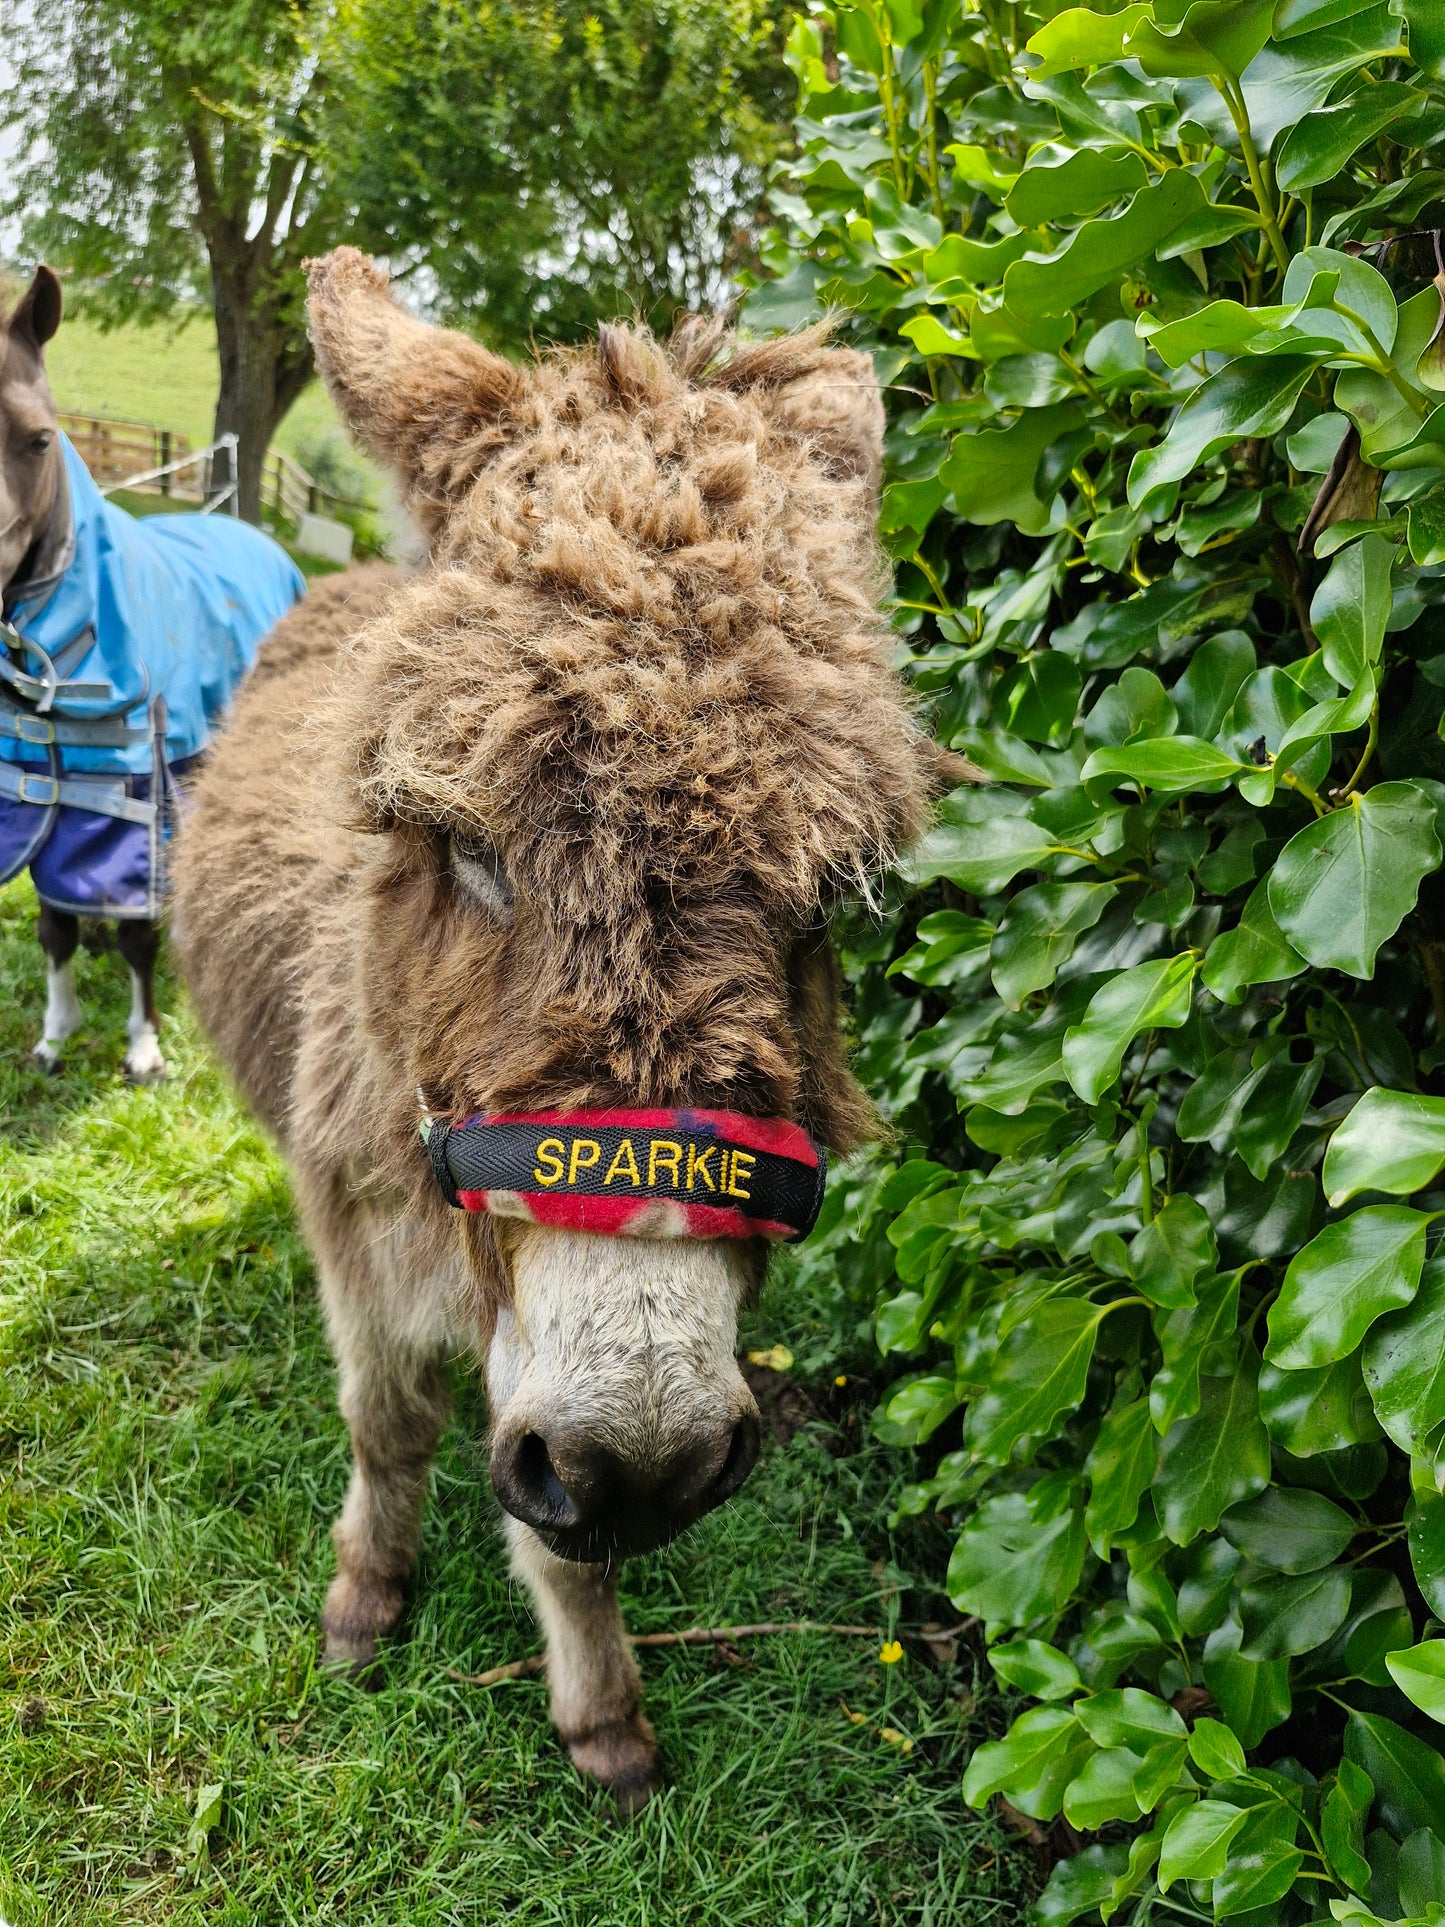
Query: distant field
(170, 376)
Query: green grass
(173, 1458)
(163, 374)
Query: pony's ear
(425, 401)
(38, 315)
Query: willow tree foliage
(1160, 296)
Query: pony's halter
(638, 1174)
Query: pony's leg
(59, 935)
(138, 941)
(596, 1687)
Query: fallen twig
(706, 1636)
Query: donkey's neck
(50, 554)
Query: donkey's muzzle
(588, 1503)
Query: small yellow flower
(895, 1738)
(891, 1653)
(777, 1358)
(841, 1379)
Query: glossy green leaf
(1253, 1695)
(1263, 1861)
(1408, 1776)
(1103, 1790)
(1031, 1666)
(1342, 886)
(1426, 1540)
(1420, 1872)
(1169, 764)
(1343, 1813)
(1213, 1459)
(1080, 1885)
(990, 473)
(1285, 1614)
(1391, 1141)
(1419, 1672)
(1009, 1568)
(1427, 36)
(1040, 1373)
(1196, 1842)
(1255, 951)
(1205, 37)
(1185, 1340)
(1351, 607)
(1038, 931)
(1215, 1750)
(1101, 249)
(1119, 1468)
(1153, 996)
(1250, 397)
(1032, 1765)
(1353, 1272)
(1404, 1364)
(1289, 1531)
(1320, 145)
(1079, 38)
(1307, 1412)
(983, 839)
(1173, 1251)
(1050, 189)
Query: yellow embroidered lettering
(625, 1163)
(743, 1162)
(550, 1152)
(697, 1166)
(580, 1163)
(664, 1151)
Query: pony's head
(30, 460)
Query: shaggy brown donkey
(555, 828)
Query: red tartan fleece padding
(643, 1174)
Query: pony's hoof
(623, 1758)
(143, 1063)
(47, 1059)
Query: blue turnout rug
(117, 664)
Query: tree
(167, 152)
(553, 162)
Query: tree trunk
(264, 366)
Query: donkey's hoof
(623, 1758)
(48, 1059)
(356, 1618)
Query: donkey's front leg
(596, 1686)
(396, 1399)
(59, 935)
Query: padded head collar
(639, 1174)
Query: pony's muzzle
(589, 1503)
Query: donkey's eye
(40, 444)
(479, 869)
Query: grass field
(169, 376)
(172, 1460)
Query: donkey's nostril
(525, 1480)
(742, 1457)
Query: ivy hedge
(1159, 296)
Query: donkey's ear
(426, 401)
(836, 404)
(38, 315)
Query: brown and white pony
(553, 828)
(31, 529)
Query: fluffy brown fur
(646, 677)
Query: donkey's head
(29, 443)
(623, 747)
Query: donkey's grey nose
(589, 1503)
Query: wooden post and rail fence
(115, 451)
